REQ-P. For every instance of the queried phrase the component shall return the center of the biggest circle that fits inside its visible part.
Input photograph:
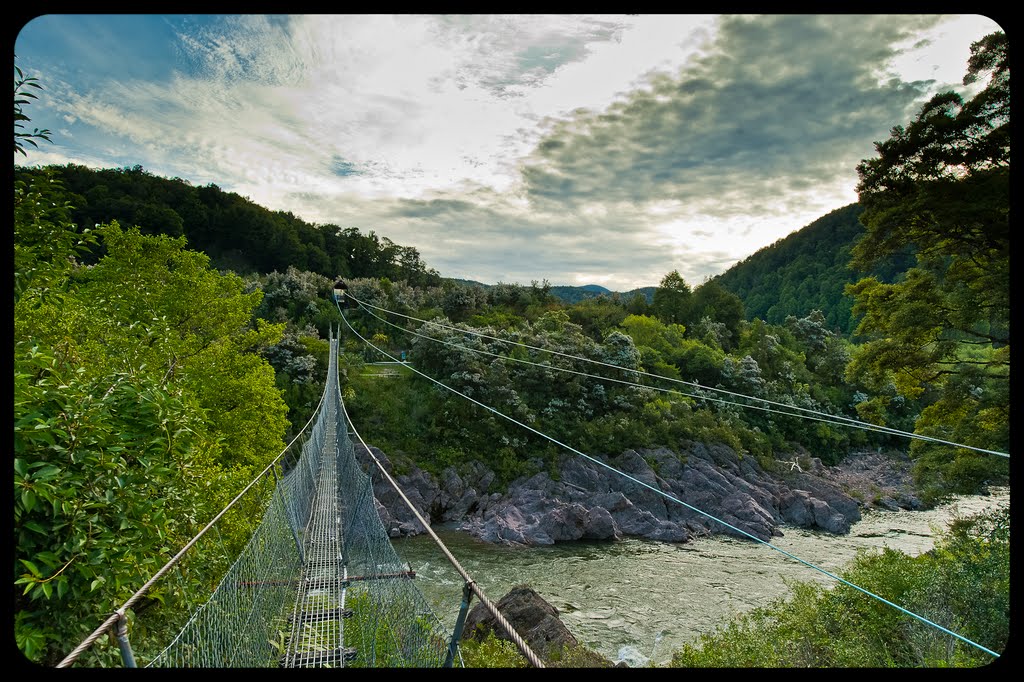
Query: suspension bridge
(319, 583)
(320, 569)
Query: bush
(962, 584)
(492, 652)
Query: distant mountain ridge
(575, 294)
(569, 294)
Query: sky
(578, 149)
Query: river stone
(601, 525)
(743, 512)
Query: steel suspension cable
(675, 499)
(865, 427)
(863, 424)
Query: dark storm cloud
(779, 104)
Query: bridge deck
(317, 623)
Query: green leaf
(35, 526)
(31, 567)
(47, 473)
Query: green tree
(140, 407)
(713, 301)
(672, 299)
(941, 186)
(597, 315)
(22, 95)
(638, 305)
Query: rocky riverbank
(587, 501)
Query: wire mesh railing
(317, 584)
(393, 624)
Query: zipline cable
(850, 420)
(866, 427)
(676, 499)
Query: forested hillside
(234, 232)
(808, 270)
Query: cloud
(488, 236)
(573, 148)
(778, 105)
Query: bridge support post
(121, 635)
(460, 623)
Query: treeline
(234, 232)
(474, 337)
(697, 340)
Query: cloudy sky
(578, 149)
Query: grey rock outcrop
(589, 501)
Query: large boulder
(535, 620)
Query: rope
(688, 506)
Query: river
(637, 600)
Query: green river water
(637, 600)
